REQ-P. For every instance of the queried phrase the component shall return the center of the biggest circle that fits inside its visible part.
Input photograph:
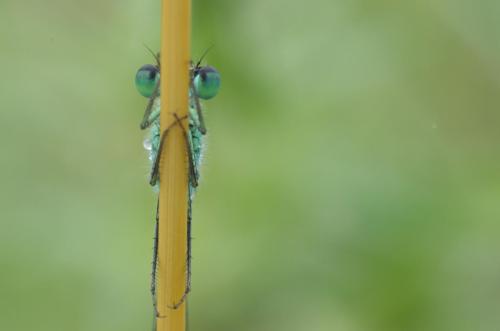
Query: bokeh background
(351, 182)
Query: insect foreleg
(145, 123)
(156, 165)
(193, 175)
(197, 105)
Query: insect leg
(188, 263)
(155, 259)
(145, 123)
(193, 175)
(156, 165)
(194, 183)
(189, 246)
(197, 105)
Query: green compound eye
(146, 79)
(206, 82)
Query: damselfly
(204, 84)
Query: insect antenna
(204, 54)
(156, 56)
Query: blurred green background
(351, 181)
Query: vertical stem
(172, 245)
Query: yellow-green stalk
(172, 245)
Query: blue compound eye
(146, 79)
(206, 82)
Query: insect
(204, 84)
